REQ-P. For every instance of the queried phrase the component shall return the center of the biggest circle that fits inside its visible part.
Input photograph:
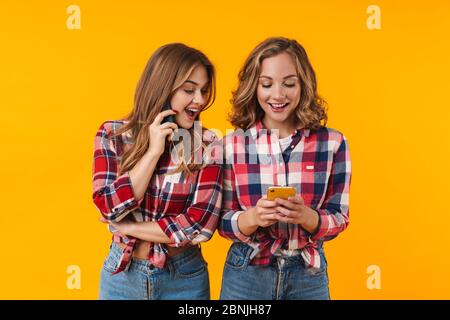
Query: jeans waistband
(146, 266)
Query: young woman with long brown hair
(158, 202)
(278, 244)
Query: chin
(186, 125)
(279, 118)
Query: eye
(189, 91)
(205, 92)
(289, 84)
(266, 85)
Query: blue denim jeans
(185, 276)
(285, 278)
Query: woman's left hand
(124, 226)
(294, 211)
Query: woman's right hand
(160, 132)
(264, 214)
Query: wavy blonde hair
(311, 110)
(166, 71)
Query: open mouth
(191, 112)
(278, 107)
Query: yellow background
(387, 90)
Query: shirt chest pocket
(175, 198)
(314, 182)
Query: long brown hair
(311, 110)
(166, 71)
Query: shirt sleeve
(334, 213)
(231, 209)
(200, 220)
(112, 194)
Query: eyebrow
(290, 76)
(195, 83)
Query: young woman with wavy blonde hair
(277, 250)
(159, 207)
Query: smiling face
(191, 97)
(278, 92)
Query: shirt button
(292, 147)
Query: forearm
(148, 231)
(113, 196)
(141, 174)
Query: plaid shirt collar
(258, 130)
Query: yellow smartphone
(280, 192)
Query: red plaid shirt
(186, 207)
(317, 164)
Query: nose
(278, 92)
(198, 98)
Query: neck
(285, 129)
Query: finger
(285, 203)
(270, 217)
(166, 132)
(267, 204)
(103, 220)
(267, 211)
(168, 125)
(286, 212)
(297, 200)
(162, 115)
(285, 219)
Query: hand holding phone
(281, 193)
(161, 133)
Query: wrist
(251, 218)
(246, 223)
(313, 221)
(153, 154)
